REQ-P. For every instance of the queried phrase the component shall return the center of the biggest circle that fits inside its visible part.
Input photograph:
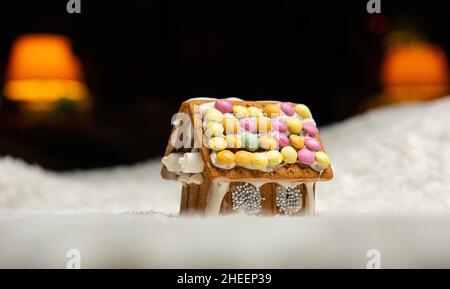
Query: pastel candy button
(310, 128)
(322, 160)
(213, 114)
(272, 110)
(260, 160)
(224, 106)
(289, 155)
(306, 156)
(233, 141)
(303, 111)
(287, 108)
(225, 157)
(243, 158)
(249, 124)
(275, 157)
(268, 142)
(250, 141)
(313, 144)
(296, 141)
(279, 125)
(294, 124)
(240, 111)
(230, 124)
(254, 112)
(282, 139)
(214, 129)
(217, 143)
(264, 124)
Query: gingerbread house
(257, 157)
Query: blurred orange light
(414, 71)
(42, 69)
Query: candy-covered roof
(258, 139)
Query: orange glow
(414, 71)
(43, 69)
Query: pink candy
(279, 125)
(310, 128)
(281, 139)
(313, 144)
(287, 108)
(224, 105)
(248, 124)
(306, 156)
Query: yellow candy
(213, 114)
(289, 154)
(233, 141)
(322, 159)
(272, 110)
(254, 112)
(231, 125)
(274, 157)
(260, 160)
(214, 129)
(296, 141)
(243, 158)
(240, 111)
(225, 157)
(217, 143)
(303, 111)
(294, 124)
(268, 142)
(263, 124)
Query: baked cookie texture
(280, 176)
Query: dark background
(143, 58)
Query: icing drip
(216, 194)
(190, 179)
(219, 189)
(310, 199)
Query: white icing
(190, 179)
(310, 199)
(171, 162)
(191, 163)
(216, 193)
(315, 166)
(202, 108)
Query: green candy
(250, 141)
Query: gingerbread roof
(220, 161)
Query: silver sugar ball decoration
(289, 200)
(248, 198)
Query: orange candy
(231, 125)
(225, 157)
(263, 124)
(296, 141)
(272, 110)
(243, 158)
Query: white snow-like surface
(391, 193)
(393, 160)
